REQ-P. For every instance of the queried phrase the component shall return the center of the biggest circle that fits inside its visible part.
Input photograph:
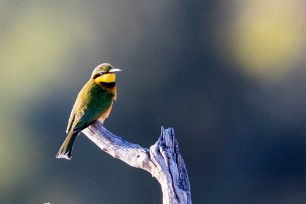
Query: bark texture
(163, 160)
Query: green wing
(92, 101)
(71, 119)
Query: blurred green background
(229, 76)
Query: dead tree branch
(163, 160)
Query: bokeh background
(229, 76)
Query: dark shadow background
(228, 76)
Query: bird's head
(104, 73)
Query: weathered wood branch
(163, 160)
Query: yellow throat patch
(106, 78)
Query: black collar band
(108, 85)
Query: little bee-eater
(94, 102)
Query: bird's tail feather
(66, 148)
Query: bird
(94, 102)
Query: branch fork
(163, 160)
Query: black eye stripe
(97, 75)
